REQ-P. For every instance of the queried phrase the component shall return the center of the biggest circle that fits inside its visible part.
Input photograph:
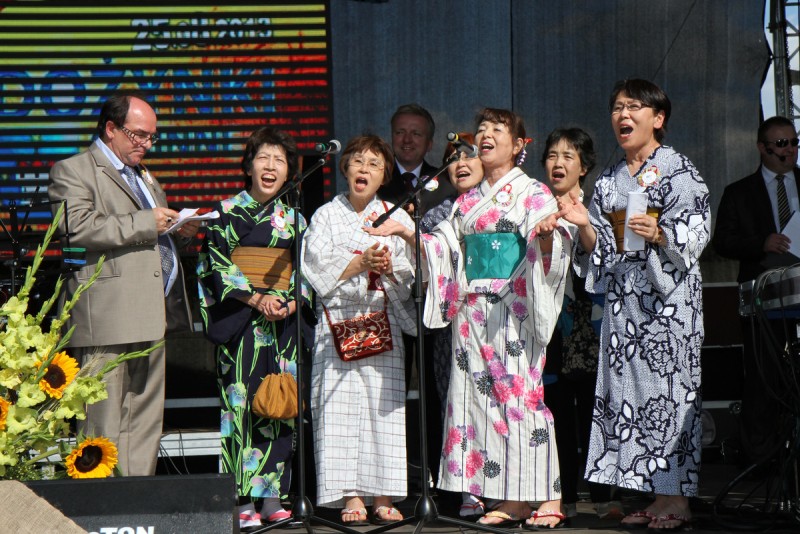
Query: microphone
(772, 153)
(462, 146)
(331, 147)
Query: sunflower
(93, 458)
(4, 404)
(59, 374)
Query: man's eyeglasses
(632, 106)
(371, 164)
(139, 139)
(781, 143)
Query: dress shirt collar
(402, 169)
(115, 161)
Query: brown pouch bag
(276, 397)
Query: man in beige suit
(116, 209)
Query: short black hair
(771, 123)
(267, 135)
(648, 94)
(580, 141)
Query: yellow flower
(59, 374)
(4, 404)
(93, 458)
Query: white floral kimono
(358, 407)
(489, 278)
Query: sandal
(685, 523)
(562, 520)
(249, 520)
(380, 515)
(361, 513)
(636, 525)
(471, 511)
(507, 521)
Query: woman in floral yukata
(246, 283)
(501, 286)
(646, 424)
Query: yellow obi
(617, 219)
(265, 267)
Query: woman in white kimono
(646, 424)
(359, 406)
(501, 286)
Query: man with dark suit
(412, 139)
(116, 209)
(750, 218)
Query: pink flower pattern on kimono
(472, 298)
(515, 414)
(463, 329)
(536, 201)
(479, 318)
(520, 310)
(501, 428)
(454, 467)
(467, 201)
(476, 489)
(487, 352)
(534, 399)
(491, 216)
(497, 369)
(470, 432)
(534, 373)
(454, 438)
(501, 392)
(517, 385)
(475, 461)
(520, 286)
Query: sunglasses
(780, 143)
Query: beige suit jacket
(126, 304)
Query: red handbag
(362, 336)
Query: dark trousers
(571, 401)
(433, 414)
(762, 414)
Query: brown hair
(450, 148)
(364, 143)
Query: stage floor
(715, 478)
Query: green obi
(493, 255)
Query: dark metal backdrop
(555, 63)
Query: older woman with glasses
(646, 423)
(358, 406)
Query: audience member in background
(571, 368)
(246, 279)
(749, 229)
(358, 406)
(412, 138)
(116, 209)
(646, 424)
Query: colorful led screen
(214, 72)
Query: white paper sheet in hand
(637, 205)
(190, 214)
(792, 231)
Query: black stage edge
(159, 504)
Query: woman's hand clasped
(377, 259)
(273, 308)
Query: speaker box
(154, 505)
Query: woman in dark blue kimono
(246, 281)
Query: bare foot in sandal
(354, 513)
(547, 516)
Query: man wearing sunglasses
(116, 209)
(751, 215)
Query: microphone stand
(425, 511)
